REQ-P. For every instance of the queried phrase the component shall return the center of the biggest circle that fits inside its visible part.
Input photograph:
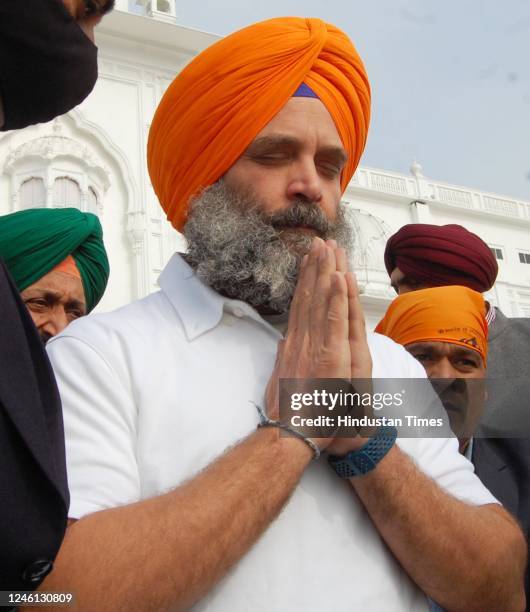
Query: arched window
(66, 193)
(92, 200)
(32, 193)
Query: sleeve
(439, 459)
(100, 425)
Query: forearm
(167, 552)
(464, 557)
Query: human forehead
(66, 285)
(304, 119)
(445, 349)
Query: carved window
(66, 193)
(32, 193)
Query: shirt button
(238, 312)
(36, 572)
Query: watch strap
(364, 459)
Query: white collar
(199, 307)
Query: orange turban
(227, 94)
(451, 314)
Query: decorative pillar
(137, 234)
(419, 209)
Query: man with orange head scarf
(177, 477)
(446, 330)
(421, 255)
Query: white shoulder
(123, 324)
(391, 360)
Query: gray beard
(246, 254)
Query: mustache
(301, 214)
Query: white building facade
(94, 158)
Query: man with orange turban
(177, 481)
(445, 329)
(422, 255)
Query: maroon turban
(440, 255)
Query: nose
(55, 322)
(305, 182)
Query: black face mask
(47, 63)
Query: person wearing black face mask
(48, 59)
(48, 65)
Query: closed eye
(272, 159)
(330, 170)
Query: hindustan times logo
(320, 398)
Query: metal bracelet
(265, 421)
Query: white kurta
(155, 391)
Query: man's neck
(463, 443)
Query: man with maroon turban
(177, 469)
(421, 255)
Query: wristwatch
(363, 460)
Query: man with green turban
(58, 261)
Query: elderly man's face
(54, 301)
(457, 374)
(297, 156)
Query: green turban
(34, 241)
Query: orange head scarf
(219, 103)
(68, 266)
(451, 314)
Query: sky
(450, 80)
